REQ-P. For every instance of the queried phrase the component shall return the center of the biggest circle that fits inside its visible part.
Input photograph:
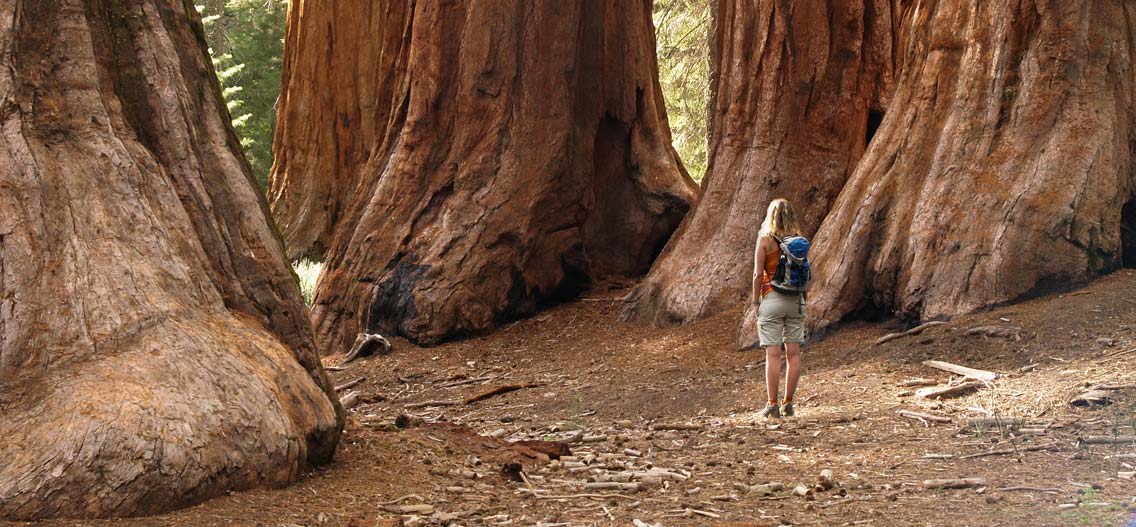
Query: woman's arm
(758, 270)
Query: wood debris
(923, 417)
(913, 331)
(949, 391)
(367, 344)
(981, 375)
(498, 390)
(960, 483)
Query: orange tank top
(771, 260)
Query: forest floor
(605, 386)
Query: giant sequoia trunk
(526, 152)
(1001, 164)
(344, 82)
(1001, 167)
(794, 85)
(154, 350)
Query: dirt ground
(602, 385)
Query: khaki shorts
(781, 319)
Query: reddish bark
(795, 82)
(344, 84)
(530, 153)
(1002, 165)
(154, 350)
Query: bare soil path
(606, 387)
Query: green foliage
(682, 35)
(246, 41)
(307, 272)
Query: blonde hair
(780, 220)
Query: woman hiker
(780, 314)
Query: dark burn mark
(393, 300)
(1128, 234)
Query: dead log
(1011, 332)
(913, 331)
(1114, 387)
(425, 404)
(826, 480)
(961, 483)
(552, 449)
(420, 509)
(1045, 490)
(493, 392)
(1108, 440)
(1007, 451)
(1094, 398)
(805, 492)
(349, 384)
(981, 375)
(349, 401)
(995, 422)
(613, 485)
(923, 416)
(365, 346)
(917, 383)
(949, 391)
(676, 426)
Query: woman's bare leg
(793, 373)
(772, 371)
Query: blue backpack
(793, 272)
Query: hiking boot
(787, 409)
(770, 412)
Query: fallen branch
(401, 499)
(949, 391)
(676, 426)
(961, 483)
(1005, 451)
(463, 382)
(349, 384)
(981, 375)
(995, 422)
(425, 404)
(913, 331)
(349, 401)
(493, 392)
(996, 331)
(918, 383)
(1046, 490)
(593, 495)
(923, 417)
(1108, 440)
(366, 344)
(423, 509)
(1114, 387)
(613, 485)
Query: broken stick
(981, 375)
(349, 384)
(492, 392)
(1108, 440)
(960, 483)
(923, 417)
(676, 426)
(913, 331)
(949, 391)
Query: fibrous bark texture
(528, 153)
(344, 82)
(154, 350)
(794, 86)
(1001, 167)
(960, 154)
